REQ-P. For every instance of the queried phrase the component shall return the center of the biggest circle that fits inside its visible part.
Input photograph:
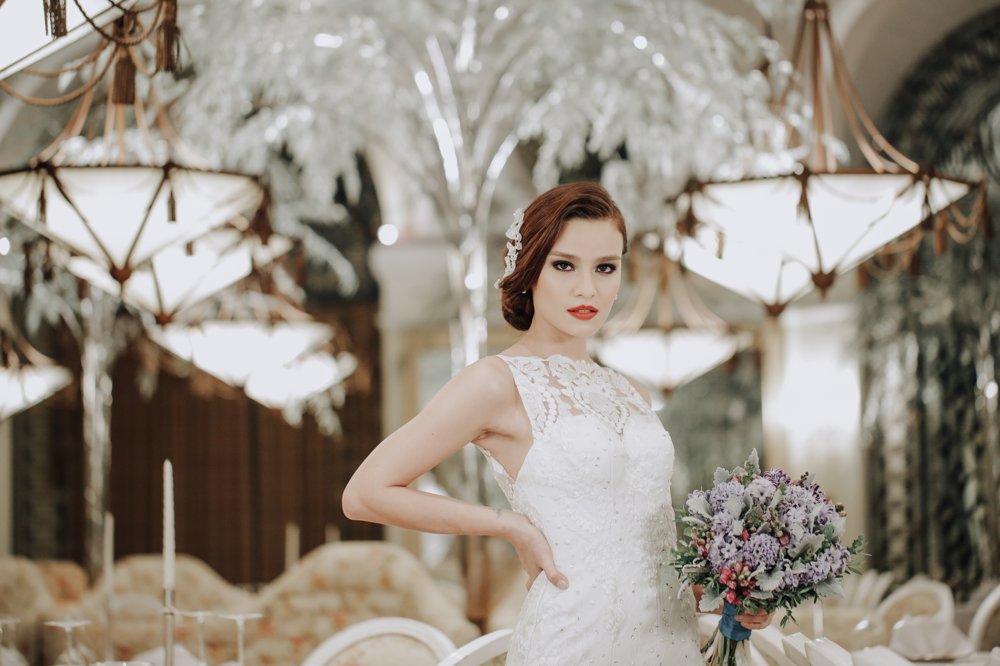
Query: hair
(544, 220)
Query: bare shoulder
(488, 378)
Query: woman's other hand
(754, 620)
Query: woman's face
(580, 278)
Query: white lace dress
(596, 482)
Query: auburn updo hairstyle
(544, 220)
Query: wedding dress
(596, 482)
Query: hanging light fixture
(232, 351)
(117, 217)
(686, 341)
(118, 202)
(179, 277)
(760, 236)
(279, 386)
(113, 205)
(27, 377)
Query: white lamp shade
(279, 386)
(233, 350)
(758, 273)
(174, 280)
(852, 214)
(28, 385)
(118, 217)
(669, 359)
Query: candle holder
(240, 620)
(199, 617)
(73, 653)
(168, 626)
(10, 656)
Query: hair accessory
(513, 245)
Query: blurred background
(254, 238)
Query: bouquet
(760, 541)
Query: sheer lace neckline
(554, 357)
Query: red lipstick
(583, 312)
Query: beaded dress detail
(596, 482)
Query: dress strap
(538, 395)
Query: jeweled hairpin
(513, 246)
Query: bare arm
(470, 406)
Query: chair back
(432, 637)
(984, 631)
(480, 650)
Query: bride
(582, 459)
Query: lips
(583, 312)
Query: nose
(584, 287)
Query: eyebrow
(564, 255)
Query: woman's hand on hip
(534, 551)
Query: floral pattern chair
(343, 583)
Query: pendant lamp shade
(817, 217)
(120, 216)
(25, 386)
(232, 351)
(669, 359)
(781, 236)
(179, 277)
(278, 387)
(758, 273)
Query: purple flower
(790, 581)
(761, 549)
(722, 522)
(826, 515)
(760, 490)
(797, 496)
(724, 549)
(836, 559)
(719, 494)
(777, 476)
(818, 571)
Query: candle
(109, 555)
(291, 545)
(168, 525)
(332, 533)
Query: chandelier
(26, 376)
(181, 276)
(110, 206)
(686, 341)
(774, 238)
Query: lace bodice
(596, 482)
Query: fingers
(754, 620)
(552, 574)
(558, 580)
(555, 576)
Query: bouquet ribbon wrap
(728, 625)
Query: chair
(856, 592)
(342, 584)
(918, 596)
(768, 642)
(984, 631)
(870, 596)
(795, 648)
(431, 637)
(480, 650)
(825, 652)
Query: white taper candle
(168, 525)
(291, 544)
(109, 555)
